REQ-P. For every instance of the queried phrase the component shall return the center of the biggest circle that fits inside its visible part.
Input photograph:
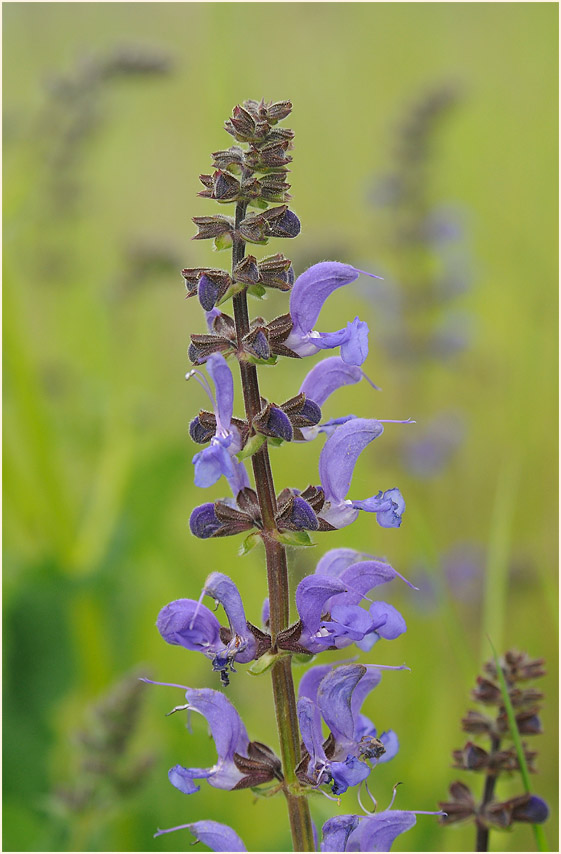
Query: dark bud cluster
(203, 427)
(284, 421)
(262, 342)
(224, 187)
(253, 121)
(260, 766)
(234, 180)
(274, 271)
(498, 757)
(211, 285)
(296, 511)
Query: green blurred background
(100, 177)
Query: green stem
(541, 842)
(278, 588)
(496, 575)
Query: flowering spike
(334, 606)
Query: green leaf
(293, 538)
(275, 441)
(234, 289)
(257, 291)
(266, 791)
(259, 203)
(254, 361)
(251, 447)
(249, 543)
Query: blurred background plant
(503, 684)
(100, 163)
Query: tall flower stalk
(330, 602)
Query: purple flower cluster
(329, 610)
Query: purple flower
(336, 465)
(375, 832)
(336, 695)
(307, 297)
(219, 458)
(217, 836)
(228, 732)
(204, 522)
(341, 580)
(192, 625)
(329, 609)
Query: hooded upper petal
(217, 836)
(310, 681)
(340, 454)
(224, 385)
(311, 289)
(379, 831)
(334, 699)
(336, 832)
(335, 561)
(327, 376)
(222, 589)
(363, 576)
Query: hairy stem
(277, 578)
(482, 835)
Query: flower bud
(204, 522)
(272, 421)
(256, 343)
(232, 159)
(302, 516)
(212, 226)
(247, 271)
(202, 346)
(534, 811)
(270, 156)
(282, 222)
(208, 293)
(254, 228)
(221, 186)
(201, 433)
(276, 271)
(278, 111)
(241, 125)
